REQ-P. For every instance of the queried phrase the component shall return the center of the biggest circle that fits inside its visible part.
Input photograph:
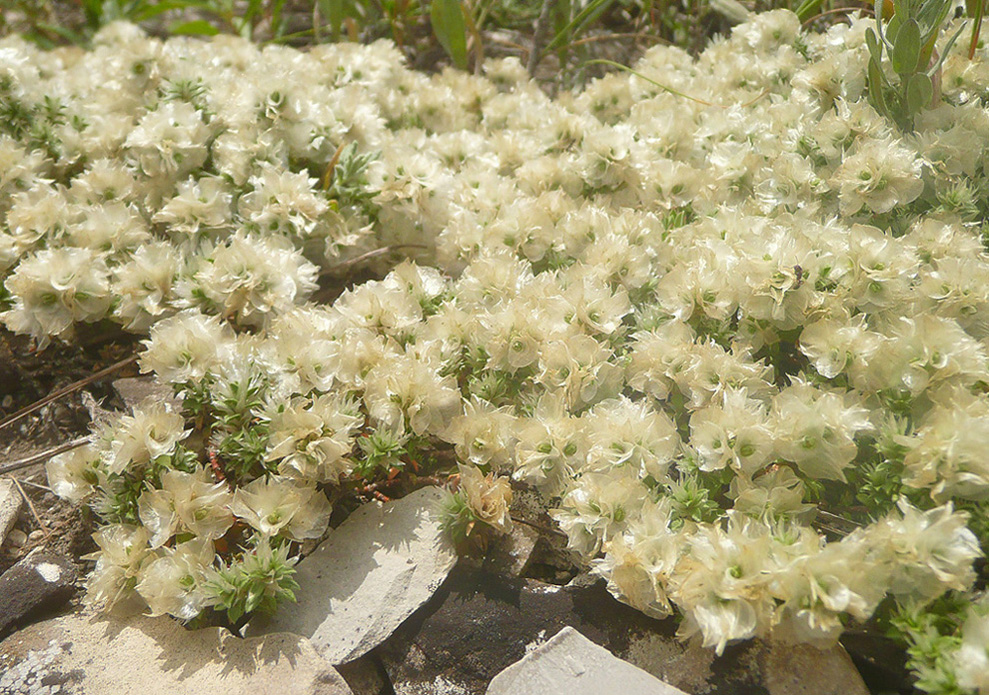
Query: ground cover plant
(728, 314)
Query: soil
(27, 375)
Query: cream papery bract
(691, 329)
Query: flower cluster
(700, 326)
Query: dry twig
(65, 391)
(43, 456)
(30, 504)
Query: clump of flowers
(700, 328)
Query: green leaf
(807, 9)
(146, 12)
(920, 89)
(199, 27)
(872, 41)
(977, 12)
(447, 18)
(906, 48)
(876, 87)
(892, 27)
(945, 51)
(587, 14)
(333, 9)
(66, 33)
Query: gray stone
(82, 654)
(40, 582)
(370, 574)
(511, 553)
(10, 507)
(803, 669)
(478, 624)
(366, 676)
(571, 664)
(881, 660)
(133, 390)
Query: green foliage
(694, 492)
(931, 633)
(119, 502)
(450, 28)
(257, 581)
(424, 26)
(906, 44)
(383, 450)
(347, 180)
(456, 517)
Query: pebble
(40, 582)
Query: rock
(133, 390)
(571, 664)
(511, 553)
(881, 660)
(476, 625)
(366, 676)
(88, 655)
(802, 669)
(17, 538)
(40, 582)
(10, 507)
(370, 574)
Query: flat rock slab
(478, 624)
(38, 583)
(372, 573)
(134, 390)
(82, 654)
(10, 507)
(571, 664)
(803, 669)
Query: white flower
(144, 285)
(406, 392)
(816, 429)
(947, 452)
(200, 204)
(639, 563)
(174, 582)
(487, 496)
(552, 447)
(734, 433)
(929, 551)
(483, 435)
(283, 202)
(631, 436)
(879, 175)
(721, 583)
(190, 501)
(55, 288)
(312, 439)
(135, 440)
(123, 553)
(186, 346)
(249, 278)
(279, 506)
(971, 661)
(169, 141)
(72, 475)
(596, 508)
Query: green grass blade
(449, 27)
(590, 12)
